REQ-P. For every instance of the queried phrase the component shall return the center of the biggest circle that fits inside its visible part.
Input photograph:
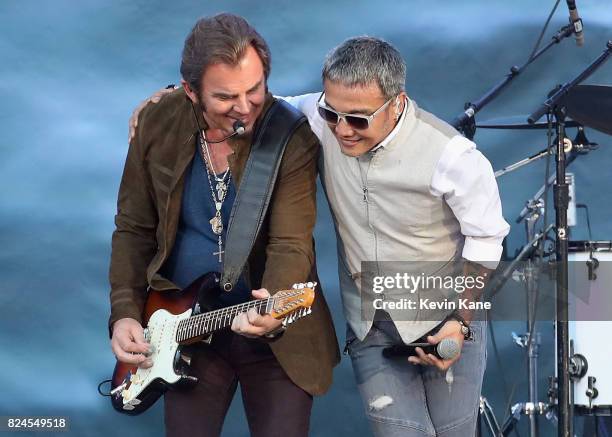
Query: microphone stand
(541, 154)
(465, 122)
(555, 106)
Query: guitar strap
(253, 196)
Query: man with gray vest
(403, 186)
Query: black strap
(251, 203)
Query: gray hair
(362, 60)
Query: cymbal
(520, 122)
(591, 105)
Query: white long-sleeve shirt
(462, 176)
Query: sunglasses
(356, 121)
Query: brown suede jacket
(148, 210)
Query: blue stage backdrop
(70, 74)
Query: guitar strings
(187, 326)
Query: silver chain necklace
(218, 193)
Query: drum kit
(582, 384)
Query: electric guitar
(174, 320)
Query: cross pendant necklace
(220, 252)
(218, 195)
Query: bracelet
(465, 327)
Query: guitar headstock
(293, 304)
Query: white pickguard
(162, 328)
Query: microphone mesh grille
(448, 349)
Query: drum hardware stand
(531, 409)
(554, 106)
(578, 369)
(531, 339)
(580, 146)
(498, 280)
(485, 411)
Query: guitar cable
(100, 387)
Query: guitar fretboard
(208, 322)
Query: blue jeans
(403, 399)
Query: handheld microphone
(575, 21)
(447, 349)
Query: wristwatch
(465, 327)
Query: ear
(190, 93)
(400, 101)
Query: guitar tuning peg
(310, 284)
(309, 310)
(295, 286)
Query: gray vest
(395, 218)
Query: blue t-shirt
(192, 253)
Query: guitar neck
(206, 323)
